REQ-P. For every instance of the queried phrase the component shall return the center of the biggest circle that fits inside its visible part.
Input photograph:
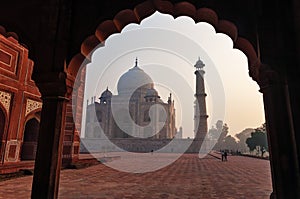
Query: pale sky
(167, 50)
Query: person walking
(222, 155)
(225, 155)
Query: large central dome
(134, 78)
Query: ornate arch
(33, 115)
(3, 125)
(5, 113)
(147, 8)
(30, 116)
(5, 101)
(32, 107)
(30, 138)
(3, 129)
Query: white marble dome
(133, 79)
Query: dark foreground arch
(61, 34)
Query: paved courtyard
(188, 177)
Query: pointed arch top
(147, 8)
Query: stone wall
(141, 145)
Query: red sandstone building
(20, 104)
(20, 110)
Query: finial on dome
(107, 88)
(136, 62)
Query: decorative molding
(32, 105)
(10, 56)
(12, 151)
(5, 99)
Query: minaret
(200, 107)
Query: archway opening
(228, 60)
(2, 128)
(233, 43)
(30, 139)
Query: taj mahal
(140, 127)
(140, 100)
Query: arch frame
(30, 117)
(254, 69)
(3, 140)
(145, 9)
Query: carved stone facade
(5, 99)
(32, 105)
(20, 109)
(20, 105)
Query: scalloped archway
(147, 8)
(106, 28)
(280, 96)
(278, 102)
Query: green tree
(230, 143)
(215, 132)
(242, 136)
(220, 145)
(251, 143)
(258, 138)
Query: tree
(221, 140)
(230, 143)
(251, 143)
(215, 132)
(242, 136)
(258, 138)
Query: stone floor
(188, 177)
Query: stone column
(281, 137)
(49, 150)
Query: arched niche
(30, 139)
(2, 129)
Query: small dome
(151, 92)
(134, 78)
(106, 94)
(199, 64)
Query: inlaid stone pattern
(5, 99)
(32, 105)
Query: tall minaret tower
(200, 107)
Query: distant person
(263, 151)
(225, 155)
(222, 155)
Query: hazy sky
(167, 50)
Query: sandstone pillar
(281, 136)
(50, 141)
